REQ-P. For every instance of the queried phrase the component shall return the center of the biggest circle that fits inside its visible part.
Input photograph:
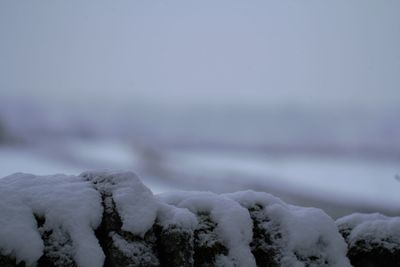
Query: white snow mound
(134, 201)
(305, 231)
(64, 201)
(74, 205)
(372, 228)
(234, 225)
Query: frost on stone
(373, 228)
(58, 247)
(111, 219)
(135, 220)
(70, 208)
(175, 246)
(174, 229)
(126, 231)
(135, 203)
(286, 235)
(209, 248)
(171, 216)
(223, 223)
(372, 239)
(137, 253)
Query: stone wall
(279, 234)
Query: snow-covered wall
(111, 219)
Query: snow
(305, 231)
(134, 201)
(102, 152)
(17, 218)
(17, 159)
(309, 231)
(71, 207)
(364, 183)
(343, 180)
(234, 224)
(64, 201)
(373, 228)
(137, 252)
(58, 246)
(250, 198)
(169, 215)
(72, 157)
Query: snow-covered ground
(21, 159)
(345, 182)
(346, 179)
(74, 159)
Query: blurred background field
(300, 99)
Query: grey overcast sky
(310, 53)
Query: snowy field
(339, 185)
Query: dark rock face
(265, 253)
(58, 249)
(207, 244)
(363, 254)
(6, 261)
(175, 246)
(365, 250)
(128, 250)
(269, 245)
(120, 247)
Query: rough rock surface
(121, 248)
(373, 239)
(264, 250)
(207, 245)
(58, 249)
(181, 232)
(175, 246)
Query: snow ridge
(373, 229)
(233, 222)
(302, 232)
(64, 201)
(71, 208)
(134, 201)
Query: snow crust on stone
(224, 261)
(137, 252)
(373, 228)
(310, 231)
(306, 231)
(18, 233)
(250, 198)
(134, 202)
(169, 215)
(64, 201)
(74, 205)
(234, 224)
